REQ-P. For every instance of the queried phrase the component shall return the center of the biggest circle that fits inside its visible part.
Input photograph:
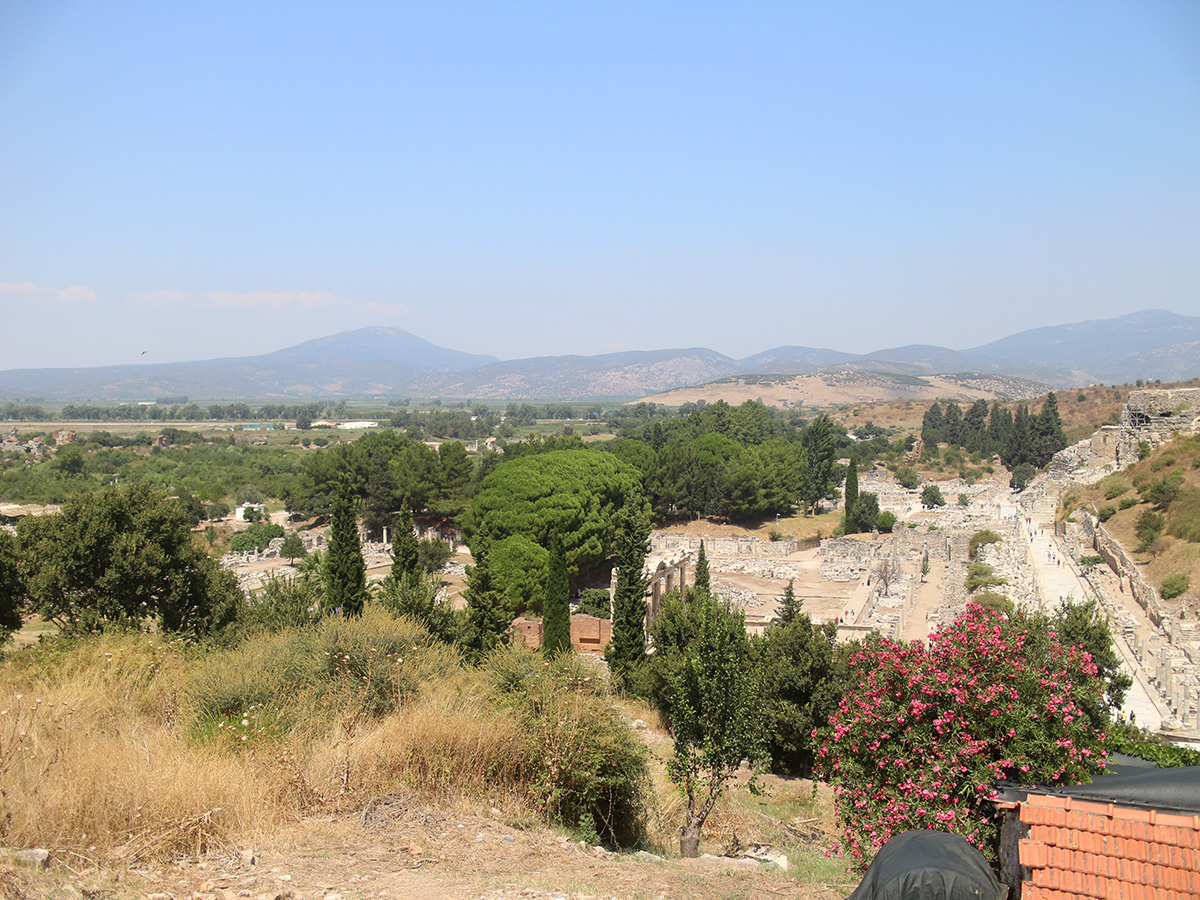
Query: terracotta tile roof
(1085, 848)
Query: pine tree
(345, 571)
(488, 620)
(406, 559)
(952, 421)
(1049, 432)
(627, 649)
(850, 500)
(701, 582)
(789, 607)
(931, 426)
(556, 609)
(1020, 449)
(999, 429)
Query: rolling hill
(372, 362)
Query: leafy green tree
(627, 648)
(908, 478)
(518, 566)
(1021, 476)
(575, 493)
(800, 689)
(716, 718)
(820, 454)
(345, 570)
(70, 460)
(850, 523)
(120, 556)
(1082, 623)
(931, 496)
(925, 564)
(556, 612)
(292, 547)
(405, 552)
(11, 589)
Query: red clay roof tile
(1083, 849)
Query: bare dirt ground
(409, 848)
(395, 850)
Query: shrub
(339, 670)
(1106, 512)
(993, 600)
(931, 496)
(1164, 491)
(1115, 490)
(908, 478)
(928, 729)
(1149, 526)
(978, 539)
(1124, 737)
(282, 602)
(1089, 561)
(964, 500)
(886, 521)
(1128, 502)
(1175, 586)
(591, 772)
(256, 537)
(980, 575)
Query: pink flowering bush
(925, 731)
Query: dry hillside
(1163, 486)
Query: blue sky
(202, 179)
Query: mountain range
(380, 361)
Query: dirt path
(927, 601)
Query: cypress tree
(345, 571)
(931, 425)
(701, 583)
(556, 609)
(627, 649)
(789, 608)
(488, 620)
(1048, 426)
(406, 559)
(850, 500)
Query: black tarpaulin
(929, 865)
(1167, 790)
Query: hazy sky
(201, 179)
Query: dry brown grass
(92, 759)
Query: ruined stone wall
(1121, 563)
(846, 558)
(1155, 416)
(721, 546)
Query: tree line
(1020, 439)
